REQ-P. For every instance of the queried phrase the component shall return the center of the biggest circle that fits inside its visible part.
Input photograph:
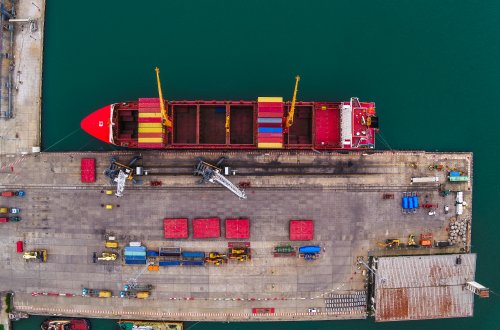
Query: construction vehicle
(35, 255)
(309, 252)
(96, 293)
(106, 256)
(442, 191)
(216, 258)
(390, 243)
(111, 242)
(239, 253)
(165, 120)
(212, 173)
(411, 241)
(291, 112)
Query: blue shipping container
(189, 254)
(310, 249)
(193, 263)
(415, 202)
(169, 263)
(152, 254)
(128, 257)
(454, 173)
(135, 248)
(135, 262)
(270, 130)
(405, 203)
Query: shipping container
(460, 197)
(454, 173)
(310, 249)
(190, 254)
(460, 209)
(135, 248)
(151, 253)
(458, 178)
(169, 263)
(193, 263)
(4, 219)
(170, 252)
(427, 179)
(135, 261)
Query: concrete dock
(65, 216)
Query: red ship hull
(233, 125)
(66, 324)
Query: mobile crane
(165, 120)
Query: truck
(19, 193)
(11, 219)
(135, 294)
(310, 252)
(96, 293)
(138, 287)
(13, 210)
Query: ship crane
(165, 120)
(291, 112)
(212, 174)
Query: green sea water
(431, 67)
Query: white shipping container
(460, 209)
(426, 179)
(460, 197)
(135, 243)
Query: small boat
(150, 325)
(66, 324)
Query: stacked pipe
(457, 232)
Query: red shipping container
(206, 228)
(19, 246)
(237, 228)
(175, 228)
(301, 230)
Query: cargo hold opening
(212, 124)
(241, 124)
(300, 133)
(184, 123)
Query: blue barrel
(193, 263)
(310, 249)
(169, 263)
(415, 202)
(405, 203)
(410, 203)
(196, 254)
(152, 253)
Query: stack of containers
(135, 255)
(270, 122)
(151, 129)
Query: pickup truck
(18, 193)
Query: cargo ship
(66, 324)
(150, 325)
(265, 123)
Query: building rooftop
(423, 287)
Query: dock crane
(165, 120)
(212, 174)
(291, 112)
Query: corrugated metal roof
(423, 287)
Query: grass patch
(8, 303)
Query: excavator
(165, 120)
(390, 243)
(291, 112)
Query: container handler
(35, 255)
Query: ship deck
(342, 193)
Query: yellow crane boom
(291, 113)
(166, 121)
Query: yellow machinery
(390, 243)
(411, 241)
(227, 124)
(105, 256)
(239, 253)
(216, 258)
(166, 121)
(40, 255)
(291, 112)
